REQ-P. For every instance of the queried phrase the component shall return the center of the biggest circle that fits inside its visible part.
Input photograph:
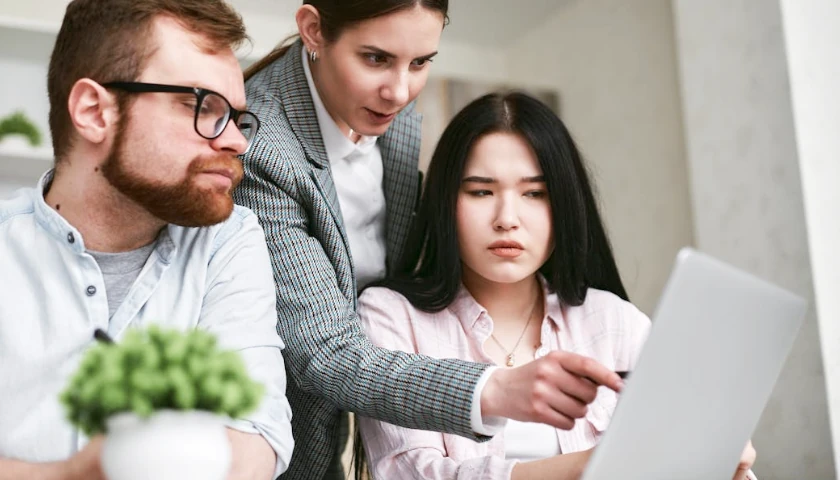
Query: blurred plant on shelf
(155, 369)
(17, 123)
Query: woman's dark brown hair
(338, 15)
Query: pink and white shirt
(605, 327)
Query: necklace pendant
(510, 360)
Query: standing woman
(333, 177)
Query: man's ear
(93, 110)
(309, 25)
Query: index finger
(594, 371)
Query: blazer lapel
(400, 148)
(297, 102)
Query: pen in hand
(101, 336)
(622, 374)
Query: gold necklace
(511, 355)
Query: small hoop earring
(313, 56)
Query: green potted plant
(18, 125)
(161, 397)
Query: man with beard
(135, 225)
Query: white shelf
(27, 39)
(24, 162)
(30, 25)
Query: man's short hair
(110, 40)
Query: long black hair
(338, 15)
(429, 274)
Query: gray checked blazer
(331, 365)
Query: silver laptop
(719, 339)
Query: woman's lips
(506, 249)
(505, 252)
(378, 118)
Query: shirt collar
(468, 310)
(59, 228)
(337, 145)
(56, 225)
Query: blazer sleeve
(405, 453)
(327, 353)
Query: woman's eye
(375, 58)
(480, 193)
(535, 194)
(421, 62)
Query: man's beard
(185, 204)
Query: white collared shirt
(357, 174)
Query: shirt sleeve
(239, 309)
(482, 425)
(398, 452)
(327, 353)
(638, 327)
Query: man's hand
(554, 389)
(85, 464)
(746, 463)
(251, 456)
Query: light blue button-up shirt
(52, 297)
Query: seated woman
(508, 261)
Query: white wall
(811, 39)
(747, 199)
(613, 64)
(50, 11)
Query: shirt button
(91, 291)
(71, 238)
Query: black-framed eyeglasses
(212, 110)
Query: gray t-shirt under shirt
(120, 270)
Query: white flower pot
(169, 445)
(15, 142)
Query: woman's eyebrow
(535, 179)
(477, 179)
(388, 54)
